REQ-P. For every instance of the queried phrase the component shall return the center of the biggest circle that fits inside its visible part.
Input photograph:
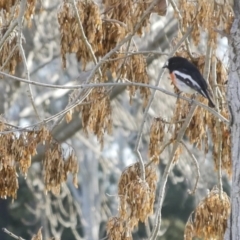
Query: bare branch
(219, 132)
(197, 167)
(12, 235)
(23, 5)
(115, 21)
(46, 120)
(167, 170)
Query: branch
(167, 170)
(23, 5)
(196, 164)
(11, 234)
(93, 85)
(219, 132)
(129, 54)
(46, 120)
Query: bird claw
(194, 95)
(178, 95)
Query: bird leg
(194, 95)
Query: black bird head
(175, 63)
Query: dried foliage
(10, 9)
(38, 236)
(118, 229)
(135, 71)
(31, 4)
(10, 55)
(133, 68)
(129, 12)
(210, 16)
(71, 37)
(156, 140)
(96, 112)
(8, 182)
(7, 4)
(210, 220)
(136, 201)
(57, 165)
(113, 33)
(18, 150)
(104, 30)
(103, 34)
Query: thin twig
(23, 5)
(93, 85)
(140, 159)
(219, 132)
(172, 122)
(216, 114)
(207, 64)
(12, 235)
(129, 54)
(115, 21)
(167, 170)
(8, 32)
(162, 149)
(197, 167)
(141, 164)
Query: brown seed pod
(71, 37)
(10, 54)
(56, 167)
(206, 15)
(118, 229)
(210, 217)
(96, 113)
(156, 140)
(136, 197)
(8, 182)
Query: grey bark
(233, 230)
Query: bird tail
(210, 99)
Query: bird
(187, 78)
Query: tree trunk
(233, 230)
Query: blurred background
(82, 213)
